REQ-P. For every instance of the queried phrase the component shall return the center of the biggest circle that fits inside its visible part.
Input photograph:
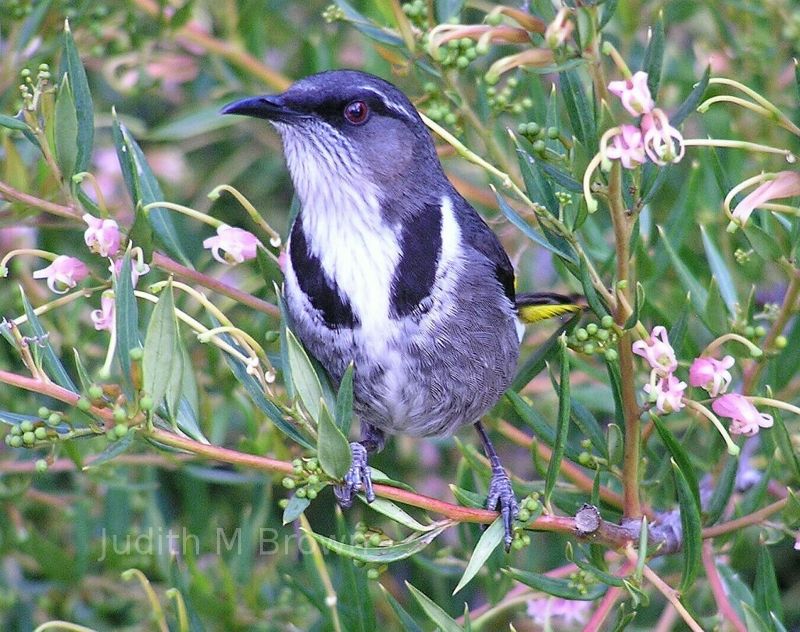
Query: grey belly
(430, 373)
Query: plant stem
(9, 193)
(719, 591)
(745, 521)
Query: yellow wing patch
(530, 314)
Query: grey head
(345, 127)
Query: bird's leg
(500, 491)
(359, 476)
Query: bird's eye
(356, 112)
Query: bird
(391, 269)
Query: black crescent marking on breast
(322, 292)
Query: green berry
(527, 103)
(26, 426)
(611, 355)
(288, 483)
(513, 82)
(602, 335)
(531, 504)
(41, 466)
(584, 458)
(136, 354)
(607, 321)
(95, 391)
(373, 573)
(311, 493)
(494, 19)
(15, 442)
(283, 503)
(524, 515)
(465, 43)
(312, 465)
(516, 108)
(749, 331)
(526, 539)
(539, 146)
(450, 119)
(121, 430)
(54, 419)
(462, 61)
(522, 129)
(119, 415)
(781, 342)
(518, 544)
(534, 129)
(43, 412)
(375, 539)
(471, 53)
(591, 329)
(301, 493)
(84, 404)
(40, 433)
(359, 538)
(453, 44)
(589, 348)
(28, 438)
(313, 479)
(146, 403)
(16, 430)
(760, 331)
(552, 133)
(491, 79)
(111, 435)
(581, 334)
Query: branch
(9, 193)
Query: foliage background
(167, 78)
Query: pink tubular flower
(746, 418)
(569, 613)
(668, 393)
(64, 273)
(661, 139)
(102, 236)
(138, 267)
(103, 318)
(238, 245)
(658, 352)
(785, 184)
(627, 147)
(634, 93)
(711, 374)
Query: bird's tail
(535, 306)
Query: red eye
(356, 112)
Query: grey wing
(479, 236)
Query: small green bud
(121, 430)
(15, 442)
(95, 391)
(518, 544)
(288, 483)
(552, 133)
(760, 331)
(136, 354)
(491, 79)
(40, 433)
(539, 146)
(375, 539)
(602, 334)
(311, 493)
(482, 48)
(313, 479)
(301, 493)
(16, 430)
(591, 329)
(373, 573)
(41, 466)
(430, 88)
(513, 82)
(359, 538)
(465, 42)
(297, 463)
(111, 435)
(271, 336)
(43, 412)
(526, 539)
(494, 19)
(749, 331)
(25, 73)
(611, 355)
(283, 503)
(581, 334)
(534, 129)
(531, 504)
(312, 465)
(471, 53)
(453, 44)
(516, 108)
(522, 129)
(54, 419)
(84, 404)
(524, 515)
(781, 342)
(119, 415)
(527, 103)
(298, 469)
(28, 438)
(589, 348)
(450, 119)
(462, 61)
(584, 458)
(26, 426)
(146, 403)
(607, 321)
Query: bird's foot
(358, 478)
(501, 494)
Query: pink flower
(237, 244)
(627, 147)
(634, 93)
(103, 318)
(797, 541)
(711, 374)
(658, 352)
(667, 392)
(102, 236)
(661, 139)
(746, 418)
(64, 273)
(785, 184)
(138, 267)
(569, 613)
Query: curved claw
(358, 478)
(502, 494)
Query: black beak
(270, 107)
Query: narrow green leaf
(753, 622)
(295, 508)
(160, 347)
(447, 9)
(114, 449)
(721, 273)
(468, 498)
(534, 364)
(578, 109)
(333, 448)
(66, 130)
(722, 491)
(144, 189)
(543, 431)
(399, 515)
(72, 67)
(589, 291)
(564, 588)
(690, 527)
(589, 427)
(677, 333)
(698, 293)
(765, 245)
(561, 177)
(365, 26)
(304, 378)
(562, 428)
(767, 595)
(126, 315)
(784, 441)
(344, 402)
(654, 56)
(603, 576)
(382, 554)
(490, 540)
(406, 620)
(609, 8)
(52, 362)
(440, 618)
(693, 100)
(679, 454)
(637, 306)
(13, 123)
(537, 186)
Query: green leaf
(690, 527)
(578, 109)
(126, 316)
(537, 186)
(562, 427)
(440, 618)
(66, 131)
(14, 123)
(447, 9)
(715, 315)
(295, 508)
(112, 451)
(767, 595)
(144, 189)
(52, 362)
(538, 359)
(589, 291)
(784, 441)
(765, 245)
(399, 515)
(382, 554)
(543, 431)
(333, 448)
(609, 8)
(564, 588)
(344, 402)
(693, 100)
(680, 455)
(406, 620)
(688, 281)
(304, 378)
(654, 56)
(589, 427)
(490, 540)
(72, 67)
(722, 491)
(160, 347)
(721, 273)
(365, 26)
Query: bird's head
(345, 127)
